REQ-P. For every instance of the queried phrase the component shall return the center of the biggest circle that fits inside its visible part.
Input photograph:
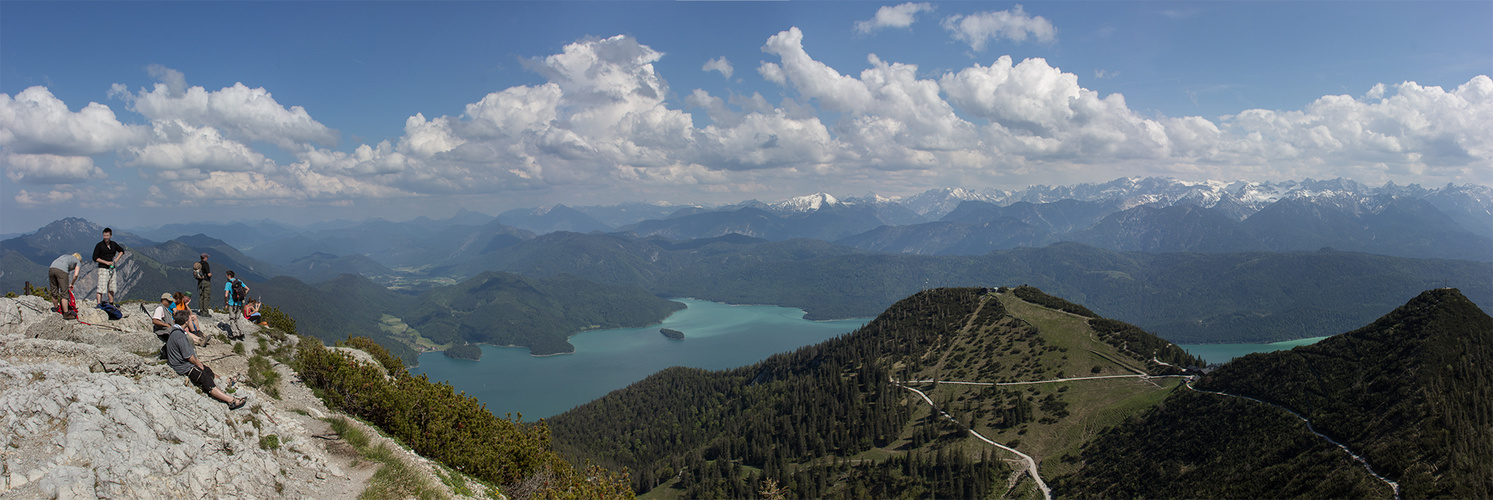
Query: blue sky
(262, 107)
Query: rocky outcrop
(83, 434)
(31, 317)
(88, 410)
(238, 327)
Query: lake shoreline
(720, 337)
(1215, 353)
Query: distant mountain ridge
(1186, 296)
(550, 219)
(1452, 221)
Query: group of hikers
(173, 321)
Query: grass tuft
(395, 479)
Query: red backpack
(72, 305)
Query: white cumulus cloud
(984, 27)
(183, 151)
(601, 120)
(719, 65)
(32, 200)
(72, 196)
(241, 113)
(37, 122)
(893, 16)
(49, 169)
(1408, 129)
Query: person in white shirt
(161, 321)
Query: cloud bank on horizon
(603, 119)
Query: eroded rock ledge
(88, 411)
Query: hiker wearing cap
(183, 358)
(204, 275)
(58, 275)
(160, 320)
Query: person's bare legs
(219, 395)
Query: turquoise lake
(717, 336)
(1222, 353)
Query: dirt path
(297, 402)
(1031, 465)
(1050, 381)
(1393, 486)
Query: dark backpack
(112, 311)
(239, 290)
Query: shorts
(59, 279)
(203, 379)
(106, 280)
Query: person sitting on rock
(160, 320)
(183, 358)
(251, 311)
(183, 302)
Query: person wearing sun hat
(160, 320)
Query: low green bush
(452, 428)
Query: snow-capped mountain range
(1239, 198)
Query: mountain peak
(200, 240)
(1440, 304)
(807, 203)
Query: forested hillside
(508, 309)
(1411, 393)
(492, 308)
(332, 310)
(832, 420)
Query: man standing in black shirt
(204, 275)
(106, 253)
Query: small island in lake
(464, 351)
(673, 334)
